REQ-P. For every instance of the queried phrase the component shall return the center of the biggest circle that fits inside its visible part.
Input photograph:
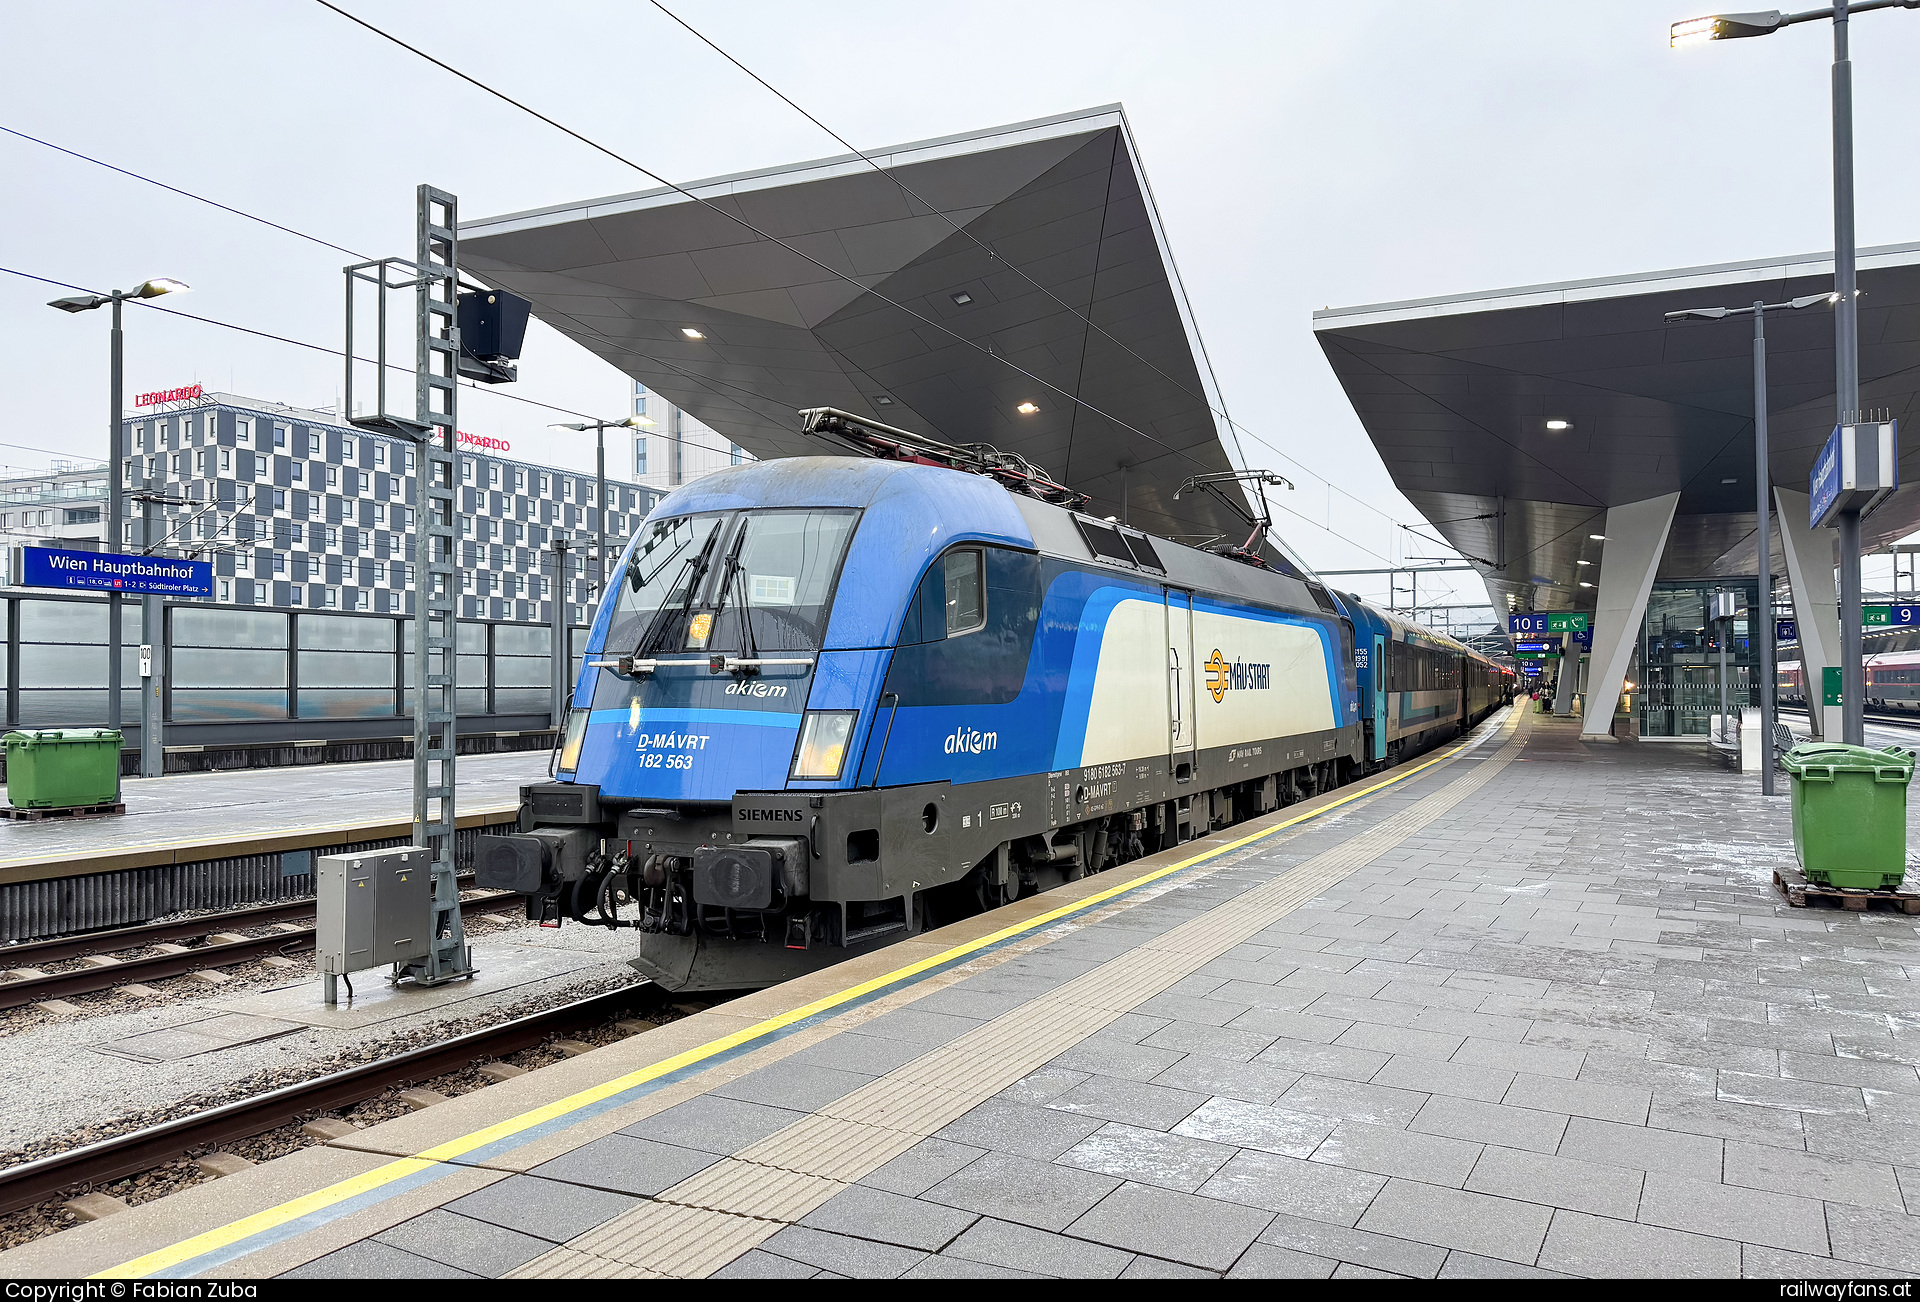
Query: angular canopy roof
(976, 273)
(1456, 392)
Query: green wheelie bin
(60, 768)
(1850, 813)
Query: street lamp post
(86, 303)
(1846, 330)
(600, 428)
(1761, 625)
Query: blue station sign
(1526, 623)
(1786, 630)
(158, 576)
(1823, 483)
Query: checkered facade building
(296, 509)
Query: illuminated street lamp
(1846, 326)
(86, 303)
(1761, 624)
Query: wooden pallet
(1799, 890)
(63, 811)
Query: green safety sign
(1830, 685)
(1570, 622)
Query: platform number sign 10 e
(1564, 621)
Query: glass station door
(1679, 689)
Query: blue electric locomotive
(829, 701)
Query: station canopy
(1456, 393)
(934, 295)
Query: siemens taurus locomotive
(828, 702)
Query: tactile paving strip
(708, 1219)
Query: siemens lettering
(54, 567)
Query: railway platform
(1524, 1006)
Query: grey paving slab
(803, 1086)
(474, 1247)
(1464, 1265)
(1134, 1102)
(852, 1051)
(1600, 1100)
(369, 1259)
(1251, 1081)
(1037, 1132)
(759, 1264)
(1267, 1261)
(1642, 1149)
(713, 1124)
(844, 1255)
(1257, 1126)
(926, 1029)
(1236, 1044)
(1540, 1059)
(1310, 1190)
(1384, 1150)
(1315, 1059)
(1102, 1056)
(1732, 1212)
(870, 1213)
(1148, 1157)
(1041, 1194)
(1557, 1182)
(1144, 1267)
(1400, 1040)
(1353, 1100)
(939, 1267)
(1482, 1224)
(1043, 1086)
(1178, 1227)
(1727, 1120)
(1599, 1247)
(1812, 1175)
(1490, 1123)
(1886, 1239)
(1380, 1252)
(1759, 1262)
(1021, 1247)
(624, 1164)
(1792, 1095)
(921, 1167)
(1426, 1076)
(1291, 1024)
(546, 1209)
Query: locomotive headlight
(576, 733)
(823, 743)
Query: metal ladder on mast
(434, 587)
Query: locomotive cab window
(966, 592)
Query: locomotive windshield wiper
(698, 566)
(736, 574)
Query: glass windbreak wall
(248, 665)
(1678, 690)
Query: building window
(566, 489)
(242, 429)
(179, 465)
(466, 469)
(379, 571)
(493, 476)
(226, 589)
(734, 451)
(346, 449)
(545, 485)
(639, 398)
(333, 476)
(226, 459)
(466, 580)
(379, 454)
(362, 600)
(140, 437)
(242, 561)
(279, 436)
(333, 537)
(279, 499)
(409, 460)
(279, 562)
(640, 456)
(293, 595)
(299, 471)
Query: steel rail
(158, 967)
(37, 1181)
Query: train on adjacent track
(1892, 682)
(830, 701)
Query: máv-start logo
(1225, 675)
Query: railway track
(226, 949)
(30, 1183)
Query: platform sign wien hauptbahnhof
(1561, 621)
(1900, 615)
(159, 576)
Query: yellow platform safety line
(307, 1204)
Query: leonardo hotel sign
(485, 444)
(158, 396)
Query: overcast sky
(1303, 156)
